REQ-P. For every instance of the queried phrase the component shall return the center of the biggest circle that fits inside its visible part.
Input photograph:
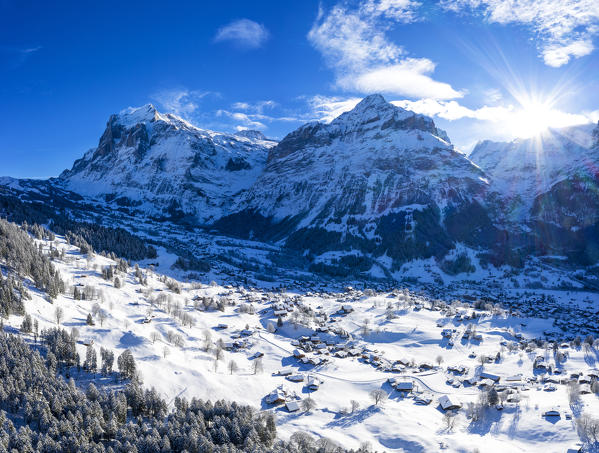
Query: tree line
(40, 411)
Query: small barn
(448, 403)
(292, 406)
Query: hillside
(332, 353)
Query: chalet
(486, 383)
(448, 403)
(493, 377)
(515, 378)
(447, 333)
(296, 378)
(286, 372)
(277, 396)
(298, 354)
(471, 380)
(458, 369)
(292, 406)
(551, 413)
(398, 368)
(539, 363)
(424, 399)
(404, 386)
(313, 383)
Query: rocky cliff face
(166, 167)
(378, 180)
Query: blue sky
(481, 68)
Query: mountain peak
(373, 100)
(134, 115)
(251, 134)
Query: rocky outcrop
(379, 180)
(163, 166)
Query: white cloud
(398, 10)
(243, 32)
(409, 77)
(559, 55)
(327, 108)
(564, 28)
(506, 118)
(452, 110)
(257, 107)
(247, 121)
(354, 43)
(180, 102)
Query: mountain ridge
(377, 183)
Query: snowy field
(334, 350)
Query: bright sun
(531, 119)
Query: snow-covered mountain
(548, 184)
(524, 169)
(378, 179)
(378, 183)
(161, 164)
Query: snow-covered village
(307, 227)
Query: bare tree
(154, 336)
(439, 360)
(257, 366)
(449, 420)
(354, 406)
(207, 340)
(101, 317)
(218, 353)
(58, 315)
(233, 366)
(573, 392)
(308, 404)
(178, 340)
(378, 396)
(165, 352)
(365, 328)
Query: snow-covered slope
(382, 339)
(163, 163)
(524, 169)
(378, 178)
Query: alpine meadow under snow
(352, 226)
